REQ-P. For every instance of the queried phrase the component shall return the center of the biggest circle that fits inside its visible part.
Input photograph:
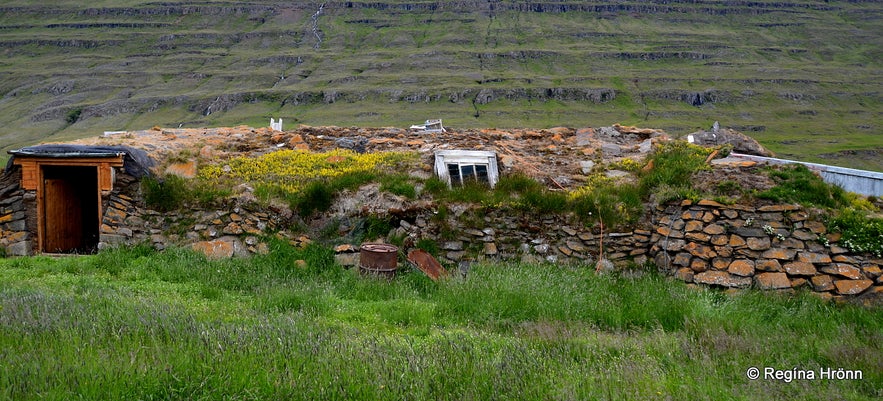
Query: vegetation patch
(860, 232)
(174, 325)
(797, 184)
(291, 170)
(310, 181)
(164, 194)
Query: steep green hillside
(803, 77)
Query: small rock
(852, 287)
(216, 249)
(345, 248)
(822, 283)
(772, 281)
(453, 246)
(490, 248)
(800, 269)
(723, 279)
(347, 259)
(742, 267)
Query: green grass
(798, 184)
(134, 323)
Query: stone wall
(232, 227)
(470, 234)
(774, 247)
(15, 238)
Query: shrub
(352, 180)
(292, 170)
(435, 186)
(315, 197)
(73, 115)
(371, 228)
(543, 201)
(471, 191)
(674, 163)
(605, 200)
(164, 194)
(517, 183)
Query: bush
(517, 183)
(435, 186)
(164, 194)
(352, 180)
(615, 204)
(315, 197)
(674, 162)
(73, 115)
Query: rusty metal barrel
(378, 259)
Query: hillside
(802, 77)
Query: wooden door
(62, 216)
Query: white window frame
(466, 158)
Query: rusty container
(378, 259)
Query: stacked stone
(121, 222)
(14, 237)
(504, 236)
(770, 247)
(232, 228)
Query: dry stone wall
(503, 235)
(232, 228)
(774, 247)
(15, 239)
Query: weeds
(860, 233)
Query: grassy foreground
(138, 324)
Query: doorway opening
(70, 209)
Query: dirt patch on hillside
(732, 180)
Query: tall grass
(134, 323)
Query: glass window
(467, 172)
(454, 173)
(481, 172)
(461, 173)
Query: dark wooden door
(62, 216)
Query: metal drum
(378, 259)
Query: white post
(276, 125)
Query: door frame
(32, 179)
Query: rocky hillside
(802, 77)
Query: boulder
(772, 281)
(741, 143)
(722, 279)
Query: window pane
(481, 172)
(468, 171)
(454, 173)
